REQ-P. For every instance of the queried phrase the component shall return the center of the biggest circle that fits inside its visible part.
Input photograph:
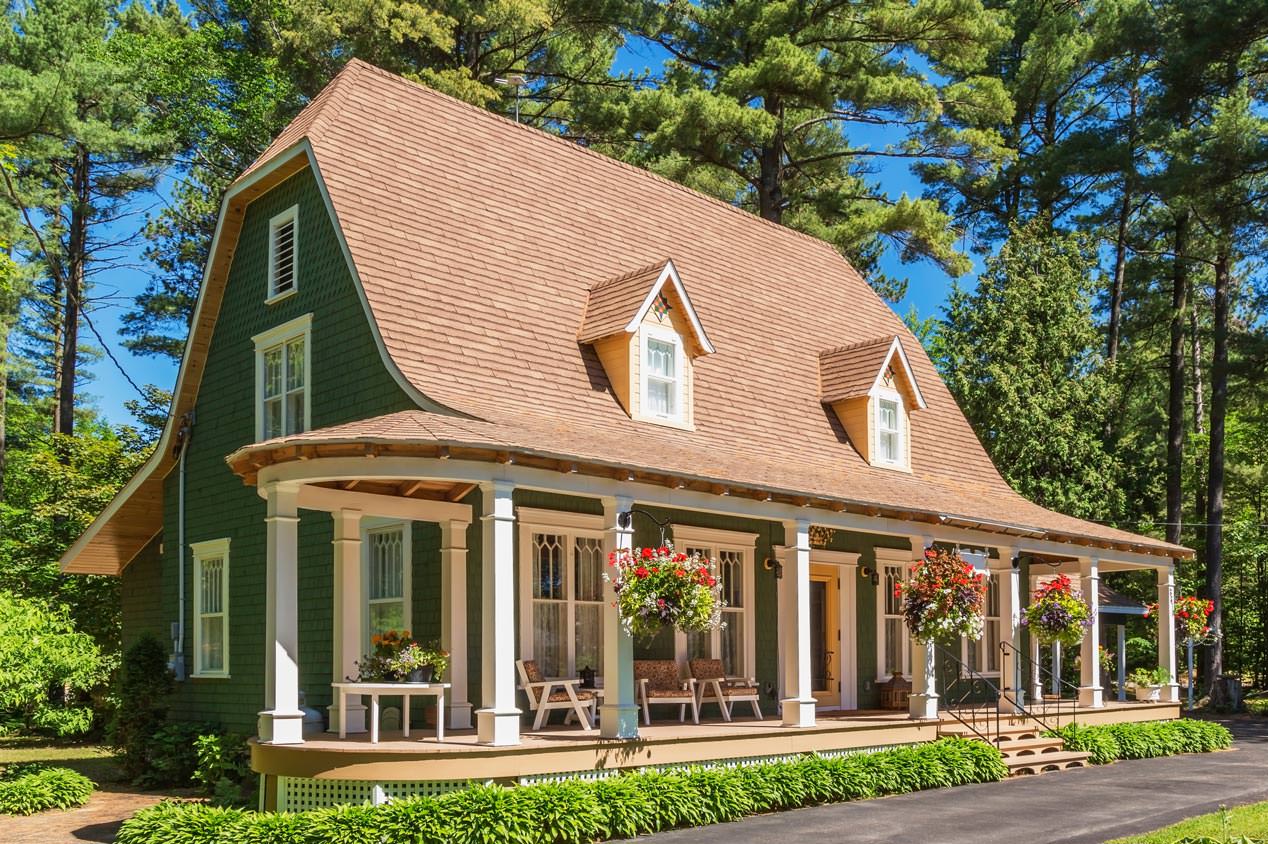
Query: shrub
(224, 768)
(1145, 739)
(27, 789)
(172, 755)
(143, 688)
(575, 811)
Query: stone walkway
(97, 820)
(1083, 806)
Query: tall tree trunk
(1215, 467)
(1120, 238)
(76, 258)
(770, 190)
(1175, 367)
(1199, 409)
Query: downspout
(183, 435)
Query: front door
(825, 635)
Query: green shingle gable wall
(348, 381)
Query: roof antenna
(519, 81)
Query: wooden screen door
(825, 634)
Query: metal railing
(1030, 673)
(968, 697)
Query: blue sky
(927, 288)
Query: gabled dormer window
(873, 390)
(889, 435)
(647, 336)
(283, 252)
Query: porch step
(1064, 760)
(955, 729)
(1029, 748)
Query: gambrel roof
(485, 277)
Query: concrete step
(1006, 733)
(1043, 763)
(1023, 748)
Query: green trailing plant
(30, 788)
(1144, 739)
(577, 811)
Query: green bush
(30, 788)
(172, 754)
(224, 768)
(576, 811)
(1144, 739)
(144, 685)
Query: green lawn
(1249, 821)
(92, 760)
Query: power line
(110, 354)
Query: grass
(92, 760)
(1249, 821)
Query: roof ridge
(849, 347)
(747, 215)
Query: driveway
(1082, 806)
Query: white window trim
(274, 337)
(717, 541)
(570, 526)
(664, 335)
(200, 551)
(885, 394)
(371, 525)
(967, 644)
(290, 215)
(890, 557)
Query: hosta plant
(943, 598)
(1057, 613)
(659, 587)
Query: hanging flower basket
(659, 587)
(1057, 614)
(943, 598)
(1191, 616)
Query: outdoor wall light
(871, 574)
(771, 564)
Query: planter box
(1153, 693)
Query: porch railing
(968, 697)
(1030, 670)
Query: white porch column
(1007, 585)
(923, 702)
(348, 602)
(1090, 692)
(798, 705)
(618, 716)
(498, 720)
(453, 620)
(1167, 632)
(281, 722)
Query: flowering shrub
(1057, 613)
(660, 586)
(1191, 615)
(943, 598)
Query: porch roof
(648, 452)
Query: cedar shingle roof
(499, 233)
(613, 302)
(850, 371)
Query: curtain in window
(549, 604)
(893, 627)
(731, 569)
(211, 612)
(588, 594)
(661, 375)
(386, 588)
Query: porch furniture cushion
(531, 670)
(713, 683)
(547, 694)
(660, 681)
(581, 694)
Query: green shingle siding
(141, 598)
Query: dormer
(873, 390)
(647, 335)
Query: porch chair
(713, 683)
(659, 681)
(542, 697)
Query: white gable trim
(670, 273)
(896, 350)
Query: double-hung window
(889, 435)
(983, 655)
(282, 374)
(283, 253)
(386, 551)
(893, 646)
(211, 608)
(662, 375)
(733, 643)
(561, 591)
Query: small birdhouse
(895, 692)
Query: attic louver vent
(282, 253)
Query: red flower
(640, 572)
(680, 572)
(655, 569)
(648, 553)
(713, 581)
(680, 557)
(662, 550)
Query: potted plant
(1191, 614)
(415, 663)
(1057, 614)
(1148, 682)
(943, 598)
(659, 587)
(376, 666)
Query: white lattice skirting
(298, 794)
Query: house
(442, 363)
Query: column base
(923, 706)
(796, 712)
(1091, 697)
(280, 727)
(356, 718)
(618, 720)
(458, 715)
(1171, 693)
(498, 727)
(1010, 701)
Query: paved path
(1083, 806)
(96, 821)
